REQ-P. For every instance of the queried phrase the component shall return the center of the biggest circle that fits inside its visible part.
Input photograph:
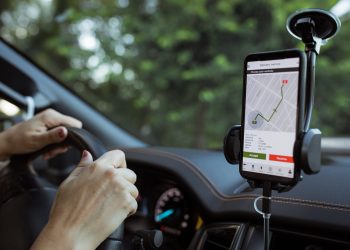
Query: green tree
(171, 71)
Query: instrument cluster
(168, 208)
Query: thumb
(54, 135)
(85, 161)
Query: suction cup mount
(314, 27)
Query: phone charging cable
(265, 212)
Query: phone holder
(314, 27)
(307, 154)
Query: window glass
(170, 71)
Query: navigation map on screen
(270, 116)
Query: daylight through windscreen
(171, 72)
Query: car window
(170, 71)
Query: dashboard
(199, 201)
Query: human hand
(29, 136)
(90, 204)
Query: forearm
(53, 239)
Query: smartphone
(272, 115)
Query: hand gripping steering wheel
(26, 198)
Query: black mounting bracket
(307, 154)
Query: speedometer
(171, 212)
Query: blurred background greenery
(170, 71)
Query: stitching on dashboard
(321, 203)
(328, 207)
(279, 199)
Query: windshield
(171, 72)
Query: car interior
(194, 196)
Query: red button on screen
(281, 158)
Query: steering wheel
(26, 198)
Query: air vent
(288, 240)
(219, 237)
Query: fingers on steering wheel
(54, 135)
(128, 186)
(133, 207)
(52, 118)
(133, 190)
(55, 152)
(127, 174)
(115, 158)
(86, 161)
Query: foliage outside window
(170, 71)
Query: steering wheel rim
(26, 198)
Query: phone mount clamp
(314, 27)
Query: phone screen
(270, 116)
